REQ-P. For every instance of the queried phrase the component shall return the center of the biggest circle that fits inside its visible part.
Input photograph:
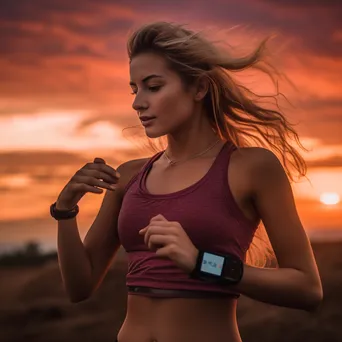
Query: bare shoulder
(256, 158)
(257, 166)
(129, 169)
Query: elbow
(78, 299)
(80, 294)
(314, 299)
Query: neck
(192, 140)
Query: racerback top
(207, 212)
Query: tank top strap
(217, 171)
(221, 163)
(151, 161)
(143, 170)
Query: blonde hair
(234, 110)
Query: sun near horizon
(330, 198)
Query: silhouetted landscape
(34, 306)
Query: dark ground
(34, 307)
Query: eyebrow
(146, 79)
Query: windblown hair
(235, 112)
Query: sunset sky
(65, 96)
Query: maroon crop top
(207, 212)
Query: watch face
(212, 264)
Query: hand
(92, 177)
(168, 239)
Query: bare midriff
(151, 319)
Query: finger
(158, 241)
(93, 182)
(156, 230)
(99, 161)
(147, 236)
(164, 252)
(159, 217)
(101, 176)
(143, 231)
(109, 170)
(94, 170)
(156, 223)
(164, 227)
(82, 187)
(102, 166)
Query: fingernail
(112, 187)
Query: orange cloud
(67, 59)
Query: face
(162, 103)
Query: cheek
(174, 105)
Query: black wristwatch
(63, 214)
(218, 268)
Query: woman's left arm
(296, 283)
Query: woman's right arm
(83, 265)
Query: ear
(201, 89)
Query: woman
(187, 216)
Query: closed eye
(152, 89)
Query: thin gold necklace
(173, 162)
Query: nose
(139, 104)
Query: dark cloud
(43, 43)
(335, 161)
(43, 10)
(66, 13)
(35, 9)
(45, 165)
(324, 112)
(19, 223)
(81, 24)
(111, 117)
(305, 4)
(24, 161)
(33, 32)
(101, 23)
(299, 24)
(60, 86)
(22, 109)
(104, 28)
(64, 55)
(328, 131)
(5, 189)
(316, 103)
(311, 22)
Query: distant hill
(29, 255)
(34, 307)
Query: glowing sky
(65, 98)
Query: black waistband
(178, 293)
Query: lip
(146, 120)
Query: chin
(153, 133)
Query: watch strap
(233, 270)
(63, 214)
(195, 273)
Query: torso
(163, 179)
(179, 319)
(183, 319)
